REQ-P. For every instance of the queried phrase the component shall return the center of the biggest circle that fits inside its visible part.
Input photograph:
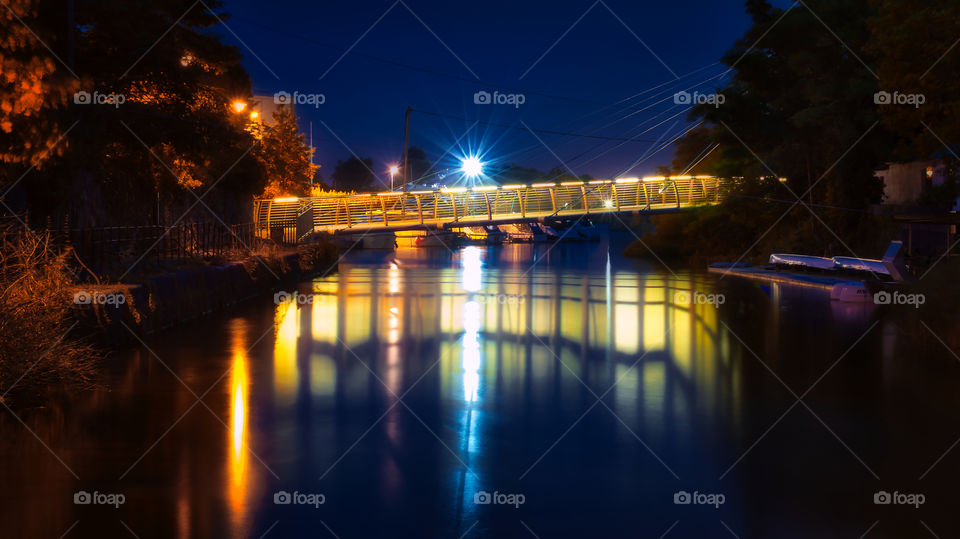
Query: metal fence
(106, 250)
(452, 206)
(97, 246)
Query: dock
(768, 274)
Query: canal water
(515, 391)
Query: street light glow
(239, 106)
(394, 169)
(471, 166)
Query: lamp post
(393, 172)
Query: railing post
(486, 198)
(419, 208)
(583, 195)
(676, 191)
(523, 201)
(346, 208)
(453, 199)
(616, 199)
(553, 198)
(383, 207)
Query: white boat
(802, 261)
(542, 233)
(582, 231)
(851, 293)
(861, 264)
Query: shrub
(37, 350)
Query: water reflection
(508, 332)
(238, 489)
(495, 361)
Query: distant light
(471, 167)
(394, 169)
(607, 203)
(287, 199)
(186, 60)
(254, 115)
(239, 106)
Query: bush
(36, 299)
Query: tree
(800, 104)
(285, 157)
(419, 164)
(33, 87)
(512, 174)
(912, 42)
(696, 152)
(166, 128)
(354, 174)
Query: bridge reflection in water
(507, 339)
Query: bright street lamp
(471, 167)
(393, 172)
(239, 106)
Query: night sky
(596, 79)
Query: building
(905, 183)
(263, 107)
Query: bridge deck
(485, 205)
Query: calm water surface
(410, 386)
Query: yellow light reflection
(239, 487)
(285, 352)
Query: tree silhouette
(354, 174)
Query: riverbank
(736, 231)
(54, 332)
(115, 313)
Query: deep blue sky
(492, 44)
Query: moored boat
(861, 264)
(802, 261)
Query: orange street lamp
(239, 106)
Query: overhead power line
(521, 128)
(454, 76)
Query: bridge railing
(450, 206)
